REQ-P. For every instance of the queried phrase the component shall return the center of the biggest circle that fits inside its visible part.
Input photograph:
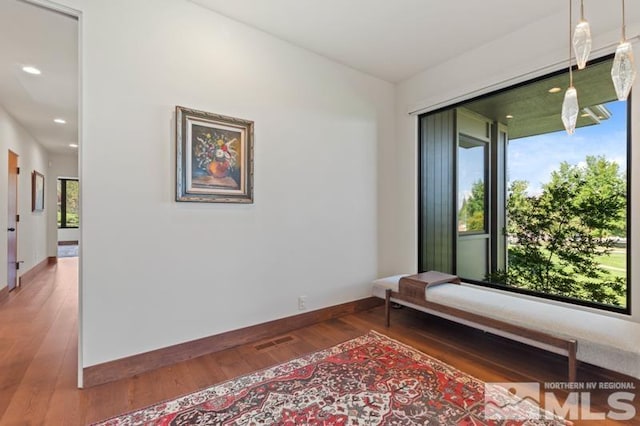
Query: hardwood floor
(38, 357)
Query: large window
(68, 203)
(534, 209)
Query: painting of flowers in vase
(214, 157)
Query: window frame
(63, 202)
(486, 176)
(578, 302)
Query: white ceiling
(390, 39)
(396, 39)
(30, 35)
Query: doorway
(12, 221)
(42, 97)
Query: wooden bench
(412, 290)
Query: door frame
(64, 7)
(13, 182)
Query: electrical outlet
(302, 303)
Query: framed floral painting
(214, 157)
(37, 192)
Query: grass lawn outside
(615, 262)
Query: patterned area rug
(370, 380)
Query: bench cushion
(605, 341)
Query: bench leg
(387, 308)
(572, 349)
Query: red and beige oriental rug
(370, 380)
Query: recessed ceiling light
(31, 70)
(509, 116)
(585, 115)
(555, 90)
(60, 121)
(73, 145)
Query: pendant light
(623, 71)
(570, 107)
(582, 39)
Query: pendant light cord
(582, 10)
(570, 70)
(624, 27)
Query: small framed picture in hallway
(37, 191)
(214, 157)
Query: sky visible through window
(534, 158)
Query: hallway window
(68, 203)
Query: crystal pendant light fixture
(582, 39)
(623, 71)
(570, 107)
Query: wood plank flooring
(38, 357)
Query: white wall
(60, 165)
(518, 57)
(156, 272)
(32, 228)
(69, 234)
